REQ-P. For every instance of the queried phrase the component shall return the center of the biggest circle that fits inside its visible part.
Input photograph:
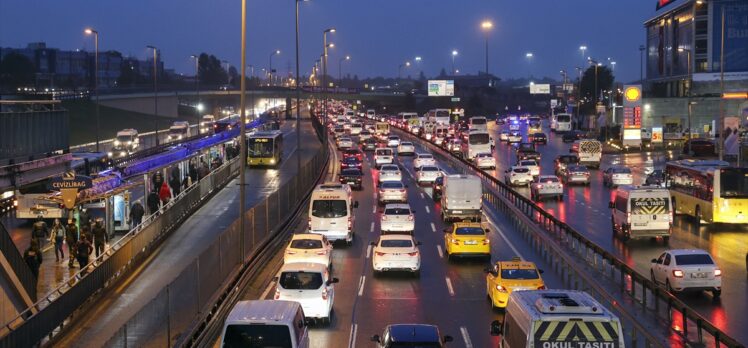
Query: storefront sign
(68, 185)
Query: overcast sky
(378, 34)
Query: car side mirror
(418, 243)
(406, 186)
(332, 281)
(487, 270)
(308, 321)
(654, 261)
(300, 323)
(275, 279)
(571, 150)
(487, 230)
(496, 328)
(373, 243)
(611, 205)
(448, 338)
(447, 230)
(375, 338)
(541, 271)
(355, 204)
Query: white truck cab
(461, 198)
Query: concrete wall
(144, 103)
(657, 111)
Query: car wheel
(716, 293)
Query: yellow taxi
(507, 276)
(467, 239)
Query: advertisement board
(657, 136)
(632, 106)
(736, 35)
(441, 88)
(632, 134)
(540, 88)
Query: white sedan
(545, 186)
(427, 174)
(532, 165)
(423, 159)
(518, 175)
(406, 148)
(617, 175)
(687, 269)
(392, 191)
(504, 136)
(309, 247)
(396, 252)
(397, 218)
(310, 285)
(390, 172)
(485, 160)
(393, 141)
(345, 143)
(514, 137)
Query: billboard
(540, 88)
(441, 88)
(736, 35)
(632, 106)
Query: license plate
(698, 275)
(471, 242)
(457, 211)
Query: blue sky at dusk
(379, 35)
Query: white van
(641, 212)
(557, 318)
(265, 322)
(478, 123)
(461, 198)
(206, 123)
(382, 156)
(371, 114)
(589, 151)
(331, 212)
(440, 116)
(561, 123)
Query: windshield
(548, 179)
(442, 113)
(257, 336)
(693, 259)
(414, 345)
(396, 243)
(563, 118)
(351, 172)
(479, 139)
(306, 244)
(519, 274)
(577, 169)
(329, 208)
(425, 156)
(733, 182)
(478, 121)
(300, 280)
(520, 170)
(124, 138)
(469, 231)
(397, 211)
(429, 169)
(622, 170)
(384, 152)
(528, 163)
(260, 147)
(391, 185)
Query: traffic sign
(456, 99)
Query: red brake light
(542, 287)
(277, 294)
(321, 252)
(410, 217)
(324, 293)
(378, 253)
(413, 253)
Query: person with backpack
(57, 236)
(39, 232)
(71, 238)
(175, 182)
(83, 250)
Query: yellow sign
(633, 94)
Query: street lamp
(324, 64)
(91, 31)
(486, 26)
(641, 63)
(270, 71)
(298, 91)
(583, 48)
(155, 88)
(682, 49)
(399, 69)
(340, 69)
(418, 59)
(529, 56)
(198, 106)
(454, 54)
(597, 64)
(242, 130)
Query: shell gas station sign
(632, 106)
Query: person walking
(57, 236)
(157, 180)
(193, 171)
(83, 250)
(100, 236)
(136, 214)
(39, 232)
(71, 238)
(164, 194)
(33, 258)
(174, 181)
(203, 171)
(153, 202)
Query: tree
(604, 82)
(234, 76)
(210, 70)
(16, 70)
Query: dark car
(562, 161)
(570, 137)
(353, 177)
(411, 335)
(370, 144)
(354, 152)
(699, 147)
(538, 138)
(224, 125)
(350, 162)
(437, 187)
(527, 151)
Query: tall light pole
(228, 67)
(486, 26)
(418, 59)
(270, 71)
(155, 88)
(579, 94)
(340, 69)
(597, 64)
(583, 48)
(198, 106)
(242, 130)
(529, 56)
(690, 83)
(324, 65)
(298, 96)
(91, 31)
(400, 68)
(454, 54)
(641, 63)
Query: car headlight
(123, 154)
(116, 143)
(272, 161)
(129, 143)
(109, 154)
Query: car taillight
(321, 252)
(410, 217)
(350, 223)
(290, 252)
(379, 253)
(540, 187)
(277, 294)
(415, 253)
(678, 273)
(454, 241)
(717, 272)
(542, 287)
(501, 288)
(324, 293)
(402, 190)
(561, 186)
(310, 225)
(384, 217)
(486, 241)
(628, 217)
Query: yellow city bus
(709, 190)
(265, 148)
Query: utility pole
(155, 88)
(242, 133)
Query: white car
(532, 165)
(310, 285)
(383, 156)
(687, 269)
(365, 134)
(427, 174)
(617, 175)
(393, 141)
(397, 218)
(545, 186)
(439, 140)
(406, 148)
(356, 129)
(392, 191)
(396, 252)
(454, 145)
(504, 136)
(390, 172)
(514, 137)
(423, 159)
(345, 143)
(485, 160)
(518, 175)
(309, 247)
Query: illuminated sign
(69, 184)
(261, 140)
(632, 134)
(441, 88)
(540, 88)
(657, 135)
(632, 117)
(633, 93)
(663, 3)
(632, 106)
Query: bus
(440, 116)
(403, 118)
(479, 141)
(708, 190)
(265, 148)
(478, 123)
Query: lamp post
(583, 48)
(324, 65)
(454, 54)
(298, 94)
(90, 31)
(340, 69)
(579, 93)
(242, 130)
(529, 56)
(641, 63)
(155, 88)
(418, 59)
(597, 64)
(270, 70)
(690, 82)
(198, 106)
(400, 68)
(486, 26)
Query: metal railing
(17, 263)
(652, 299)
(49, 314)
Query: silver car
(392, 192)
(575, 174)
(617, 175)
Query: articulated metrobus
(265, 148)
(709, 190)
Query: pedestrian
(164, 194)
(157, 180)
(174, 181)
(83, 217)
(57, 236)
(86, 231)
(186, 182)
(193, 171)
(39, 232)
(152, 202)
(33, 258)
(71, 238)
(136, 213)
(203, 171)
(100, 236)
(83, 250)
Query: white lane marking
(267, 290)
(361, 285)
(368, 251)
(422, 196)
(371, 228)
(449, 286)
(439, 250)
(427, 209)
(503, 236)
(374, 209)
(352, 336)
(466, 337)
(433, 227)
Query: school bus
(265, 148)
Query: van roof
(555, 303)
(630, 189)
(261, 311)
